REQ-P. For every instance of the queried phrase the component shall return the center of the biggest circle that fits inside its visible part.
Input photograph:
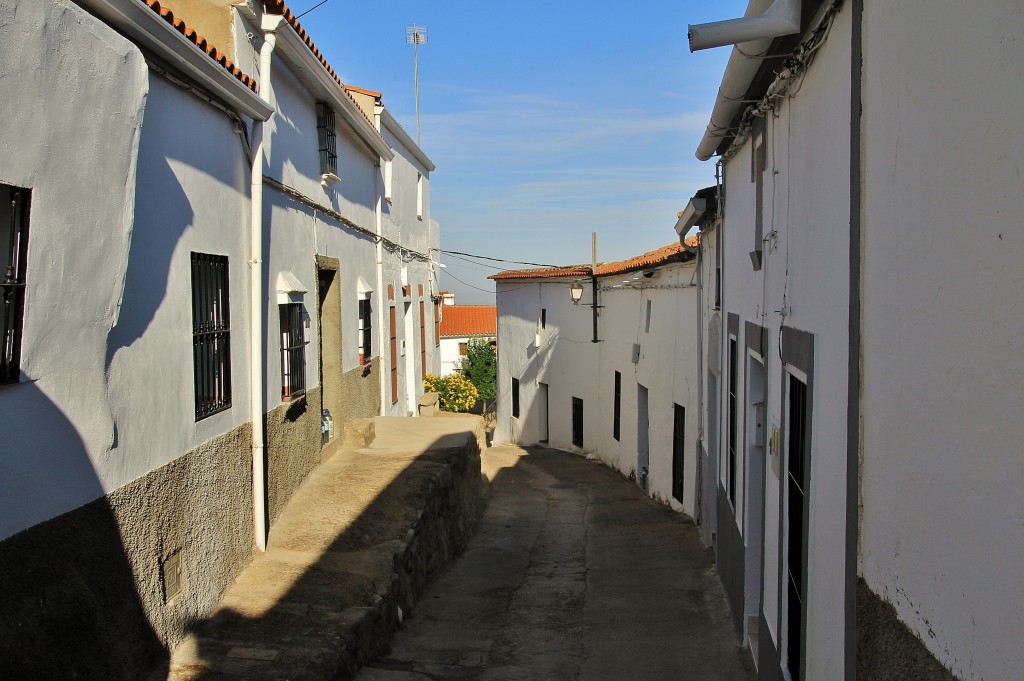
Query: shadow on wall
(321, 604)
(153, 243)
(69, 603)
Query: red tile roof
(674, 252)
(200, 42)
(278, 7)
(469, 320)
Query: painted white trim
(148, 29)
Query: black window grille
(731, 463)
(678, 451)
(14, 210)
(327, 139)
(293, 351)
(577, 421)
(515, 397)
(617, 410)
(543, 318)
(211, 334)
(365, 331)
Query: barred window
(365, 330)
(327, 139)
(211, 334)
(293, 351)
(14, 209)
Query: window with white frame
(14, 210)
(388, 174)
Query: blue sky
(547, 120)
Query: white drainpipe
(782, 17)
(755, 31)
(382, 299)
(270, 24)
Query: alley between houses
(573, 573)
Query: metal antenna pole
(415, 36)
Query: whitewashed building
(459, 325)
(618, 382)
(180, 261)
(862, 351)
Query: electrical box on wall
(636, 353)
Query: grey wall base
(293, 448)
(729, 560)
(886, 648)
(83, 594)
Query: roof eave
(149, 30)
(323, 85)
(407, 141)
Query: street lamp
(576, 291)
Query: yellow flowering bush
(454, 392)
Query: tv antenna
(416, 36)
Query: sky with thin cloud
(547, 120)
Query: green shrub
(480, 366)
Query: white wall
(572, 366)
(941, 531)
(70, 84)
(806, 267)
(192, 195)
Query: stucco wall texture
(293, 448)
(83, 594)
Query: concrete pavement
(573, 573)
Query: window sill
(388, 199)
(329, 180)
(420, 218)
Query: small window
(14, 210)
(730, 468)
(463, 349)
(423, 337)
(327, 139)
(365, 330)
(647, 318)
(388, 172)
(617, 408)
(293, 351)
(515, 397)
(543, 318)
(211, 334)
(419, 196)
(393, 341)
(577, 421)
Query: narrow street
(572, 574)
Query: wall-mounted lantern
(576, 291)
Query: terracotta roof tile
(278, 7)
(469, 320)
(199, 41)
(674, 252)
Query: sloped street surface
(572, 574)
